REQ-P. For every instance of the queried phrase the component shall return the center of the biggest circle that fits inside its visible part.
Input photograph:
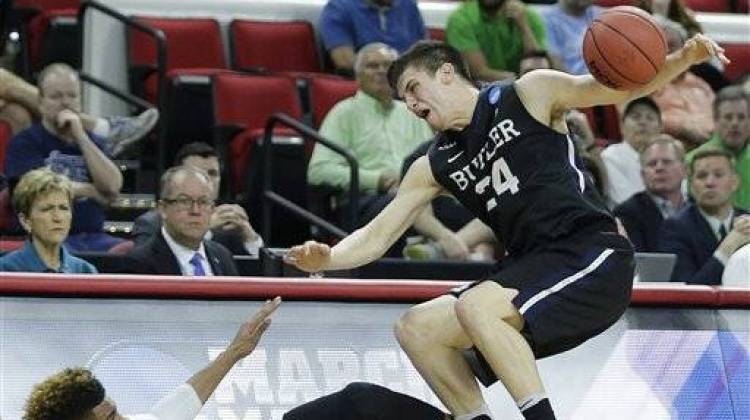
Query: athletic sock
(481, 413)
(537, 409)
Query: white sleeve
(737, 269)
(181, 404)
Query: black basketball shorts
(569, 291)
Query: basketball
(624, 48)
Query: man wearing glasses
(185, 207)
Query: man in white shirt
(737, 270)
(641, 122)
(75, 394)
(705, 234)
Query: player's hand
(69, 124)
(700, 48)
(311, 256)
(738, 236)
(250, 332)
(453, 247)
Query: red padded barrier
(176, 287)
(730, 297)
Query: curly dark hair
(66, 395)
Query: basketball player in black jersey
(505, 154)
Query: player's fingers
(266, 310)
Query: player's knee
(410, 328)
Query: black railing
(270, 198)
(161, 65)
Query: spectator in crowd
(737, 270)
(707, 233)
(378, 130)
(685, 103)
(229, 223)
(348, 25)
(43, 200)
(663, 170)
(77, 394)
(675, 10)
(732, 120)
(185, 205)
(493, 35)
(61, 142)
(19, 104)
(567, 22)
(641, 122)
(534, 60)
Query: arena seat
(242, 104)
(740, 56)
(194, 46)
(710, 6)
(604, 121)
(613, 3)
(325, 92)
(5, 135)
(266, 45)
(436, 34)
(49, 31)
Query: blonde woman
(43, 201)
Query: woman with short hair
(43, 201)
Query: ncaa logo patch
(494, 95)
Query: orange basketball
(624, 48)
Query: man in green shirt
(378, 130)
(493, 35)
(732, 121)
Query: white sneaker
(125, 131)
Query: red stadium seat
(740, 56)
(604, 121)
(246, 102)
(325, 92)
(436, 34)
(5, 135)
(267, 46)
(193, 44)
(613, 3)
(710, 6)
(49, 32)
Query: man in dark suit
(705, 234)
(662, 169)
(180, 248)
(229, 224)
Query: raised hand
(252, 330)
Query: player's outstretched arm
(205, 382)
(364, 245)
(549, 92)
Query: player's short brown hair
(67, 395)
(428, 56)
